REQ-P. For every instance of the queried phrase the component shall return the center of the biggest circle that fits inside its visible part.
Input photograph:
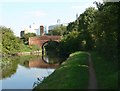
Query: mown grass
(106, 72)
(72, 74)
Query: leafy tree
(107, 28)
(79, 34)
(70, 43)
(86, 20)
(72, 26)
(10, 43)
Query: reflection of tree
(24, 60)
(9, 67)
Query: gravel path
(92, 77)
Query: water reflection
(23, 72)
(8, 67)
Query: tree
(79, 34)
(86, 20)
(10, 43)
(106, 28)
(70, 43)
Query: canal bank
(29, 53)
(74, 73)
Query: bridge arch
(48, 42)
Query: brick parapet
(40, 40)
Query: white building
(33, 28)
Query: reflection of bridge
(40, 40)
(39, 63)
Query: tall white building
(32, 29)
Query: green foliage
(72, 74)
(97, 29)
(25, 38)
(10, 43)
(59, 30)
(72, 26)
(29, 48)
(79, 34)
(86, 20)
(70, 43)
(106, 29)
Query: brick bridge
(39, 41)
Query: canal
(25, 72)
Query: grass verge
(72, 74)
(106, 72)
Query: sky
(19, 14)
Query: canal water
(25, 72)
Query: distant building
(45, 30)
(41, 30)
(38, 32)
(33, 28)
(51, 27)
(22, 33)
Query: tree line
(95, 29)
(11, 44)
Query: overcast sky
(18, 14)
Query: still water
(25, 72)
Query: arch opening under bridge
(56, 42)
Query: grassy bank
(73, 73)
(106, 72)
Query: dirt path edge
(92, 76)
